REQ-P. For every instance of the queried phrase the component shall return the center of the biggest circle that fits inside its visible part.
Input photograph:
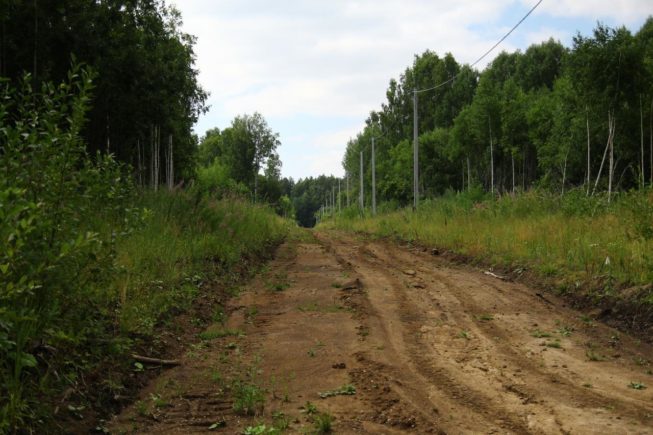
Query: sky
(316, 68)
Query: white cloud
(623, 11)
(322, 153)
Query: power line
(486, 53)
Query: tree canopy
(546, 111)
(144, 64)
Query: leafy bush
(640, 206)
(60, 214)
(216, 181)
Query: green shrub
(249, 398)
(215, 181)
(88, 267)
(61, 212)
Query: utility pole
(339, 198)
(348, 201)
(362, 194)
(333, 200)
(373, 181)
(415, 151)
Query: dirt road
(427, 346)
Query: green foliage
(585, 242)
(345, 390)
(249, 398)
(541, 110)
(61, 215)
(640, 206)
(261, 429)
(310, 408)
(87, 267)
(186, 242)
(310, 194)
(215, 181)
(231, 161)
(245, 147)
(145, 65)
(323, 423)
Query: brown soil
(430, 347)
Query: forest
(551, 117)
(108, 228)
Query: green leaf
(27, 360)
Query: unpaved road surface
(428, 346)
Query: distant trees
(309, 194)
(146, 78)
(545, 117)
(244, 149)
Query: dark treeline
(551, 116)
(310, 194)
(146, 88)
(89, 90)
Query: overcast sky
(316, 68)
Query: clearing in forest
(360, 336)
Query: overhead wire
(452, 78)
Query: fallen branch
(494, 275)
(162, 362)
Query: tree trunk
(157, 156)
(108, 135)
(339, 198)
(152, 156)
(523, 170)
(256, 169)
(611, 172)
(564, 173)
(512, 158)
(605, 153)
(36, 34)
(463, 173)
(469, 175)
(140, 165)
(169, 165)
(589, 169)
(3, 51)
(489, 123)
(641, 141)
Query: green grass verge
(156, 270)
(576, 241)
(184, 244)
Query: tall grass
(576, 239)
(87, 265)
(157, 269)
(185, 241)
